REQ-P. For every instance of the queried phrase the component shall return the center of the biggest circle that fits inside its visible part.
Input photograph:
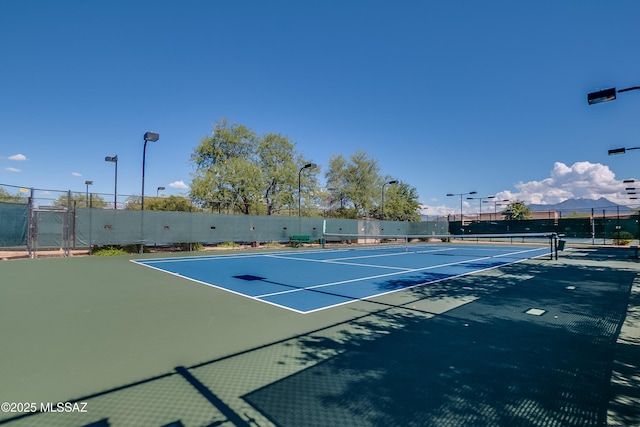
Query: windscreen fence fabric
(28, 226)
(100, 227)
(14, 220)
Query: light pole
(382, 205)
(87, 183)
(114, 159)
(307, 166)
(480, 199)
(461, 194)
(496, 204)
(159, 189)
(495, 207)
(148, 136)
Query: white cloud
(13, 170)
(76, 174)
(179, 184)
(19, 157)
(580, 180)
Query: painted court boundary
(336, 261)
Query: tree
(170, 203)
(256, 174)
(7, 197)
(400, 203)
(356, 183)
(354, 190)
(79, 200)
(517, 210)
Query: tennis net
(421, 242)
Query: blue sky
(447, 96)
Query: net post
(324, 231)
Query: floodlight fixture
(621, 150)
(151, 136)
(607, 95)
(600, 96)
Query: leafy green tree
(257, 174)
(517, 210)
(400, 203)
(7, 197)
(169, 203)
(134, 203)
(79, 200)
(356, 183)
(354, 190)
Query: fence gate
(50, 227)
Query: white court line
(330, 261)
(216, 257)
(398, 273)
(395, 254)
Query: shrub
(118, 250)
(108, 251)
(226, 245)
(189, 246)
(622, 238)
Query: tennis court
(321, 279)
(452, 334)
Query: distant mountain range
(582, 205)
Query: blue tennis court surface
(307, 281)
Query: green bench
(298, 239)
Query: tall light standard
(495, 207)
(461, 194)
(382, 205)
(307, 166)
(498, 203)
(114, 159)
(87, 183)
(159, 189)
(480, 199)
(148, 136)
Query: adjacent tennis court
(315, 280)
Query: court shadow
(484, 363)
